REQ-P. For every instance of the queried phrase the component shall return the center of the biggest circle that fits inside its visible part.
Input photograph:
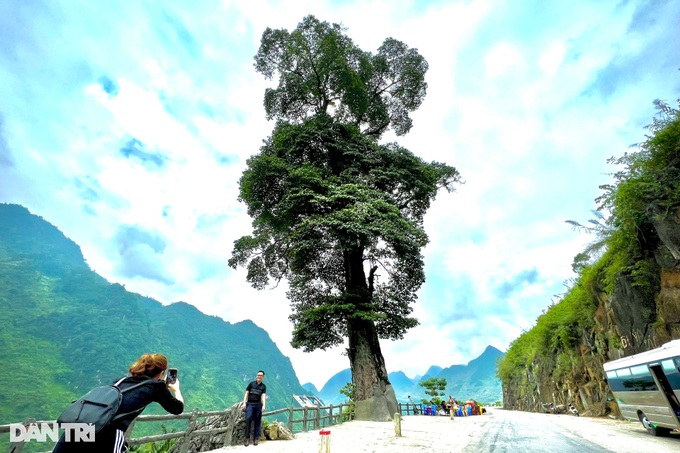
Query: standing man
(254, 403)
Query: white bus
(646, 387)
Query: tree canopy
(336, 213)
(434, 388)
(319, 192)
(321, 71)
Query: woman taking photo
(149, 367)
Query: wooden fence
(311, 418)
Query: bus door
(666, 389)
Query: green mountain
(330, 392)
(310, 388)
(475, 380)
(402, 384)
(433, 371)
(65, 329)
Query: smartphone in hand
(171, 377)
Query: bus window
(611, 374)
(637, 378)
(640, 370)
(623, 372)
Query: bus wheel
(651, 427)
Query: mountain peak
(27, 234)
(311, 388)
(492, 350)
(433, 371)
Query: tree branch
(371, 277)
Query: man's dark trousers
(253, 414)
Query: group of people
(469, 407)
(149, 378)
(460, 409)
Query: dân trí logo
(73, 432)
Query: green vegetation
(156, 447)
(434, 388)
(327, 199)
(66, 330)
(645, 192)
(349, 392)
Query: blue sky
(128, 124)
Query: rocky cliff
(628, 319)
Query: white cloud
(503, 58)
(552, 58)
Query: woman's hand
(175, 388)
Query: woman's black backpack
(99, 406)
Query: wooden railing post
(18, 447)
(397, 424)
(191, 426)
(304, 419)
(290, 419)
(128, 432)
(330, 415)
(317, 418)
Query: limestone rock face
(668, 307)
(666, 226)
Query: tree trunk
(374, 395)
(375, 398)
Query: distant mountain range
(475, 380)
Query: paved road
(513, 431)
(522, 432)
(499, 431)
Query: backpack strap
(132, 386)
(119, 416)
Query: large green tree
(335, 212)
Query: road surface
(497, 431)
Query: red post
(325, 441)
